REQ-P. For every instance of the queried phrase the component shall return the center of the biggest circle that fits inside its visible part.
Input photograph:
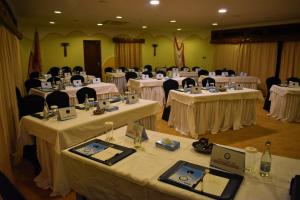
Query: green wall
(198, 51)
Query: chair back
(218, 72)
(203, 72)
(58, 98)
(168, 85)
(77, 69)
(123, 69)
(231, 72)
(130, 75)
(149, 73)
(148, 67)
(185, 68)
(31, 104)
(108, 69)
(77, 77)
(196, 67)
(66, 69)
(161, 72)
(32, 83)
(272, 81)
(187, 82)
(294, 79)
(208, 80)
(53, 79)
(33, 75)
(81, 93)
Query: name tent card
(131, 70)
(83, 73)
(118, 71)
(96, 80)
(224, 73)
(175, 75)
(77, 83)
(145, 76)
(132, 99)
(196, 90)
(66, 113)
(197, 70)
(136, 130)
(212, 74)
(186, 69)
(104, 104)
(68, 74)
(46, 85)
(159, 76)
(228, 159)
(175, 70)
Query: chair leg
(166, 113)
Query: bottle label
(265, 166)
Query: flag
(35, 62)
(179, 53)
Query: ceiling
(190, 14)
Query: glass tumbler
(251, 160)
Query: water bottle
(207, 85)
(266, 160)
(45, 111)
(86, 103)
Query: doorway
(92, 57)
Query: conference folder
(202, 180)
(102, 151)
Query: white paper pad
(212, 184)
(106, 154)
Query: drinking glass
(110, 131)
(251, 159)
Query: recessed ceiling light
(144, 27)
(179, 29)
(99, 24)
(52, 22)
(154, 2)
(119, 17)
(57, 11)
(173, 21)
(222, 10)
(215, 24)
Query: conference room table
(103, 91)
(151, 89)
(285, 103)
(197, 114)
(244, 81)
(118, 79)
(191, 74)
(136, 176)
(52, 136)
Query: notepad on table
(107, 154)
(213, 184)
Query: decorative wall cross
(65, 45)
(154, 49)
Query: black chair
(294, 79)
(77, 77)
(196, 67)
(108, 69)
(208, 80)
(130, 75)
(53, 79)
(231, 72)
(187, 82)
(203, 72)
(161, 72)
(81, 94)
(54, 71)
(168, 85)
(77, 69)
(8, 190)
(182, 68)
(218, 72)
(269, 82)
(149, 73)
(124, 69)
(148, 67)
(58, 98)
(33, 75)
(66, 69)
(136, 69)
(32, 83)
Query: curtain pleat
(10, 77)
(128, 54)
(290, 60)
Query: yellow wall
(196, 48)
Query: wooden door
(92, 57)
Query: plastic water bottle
(86, 103)
(266, 160)
(207, 85)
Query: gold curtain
(290, 60)
(10, 78)
(128, 54)
(257, 59)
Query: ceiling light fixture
(179, 29)
(173, 21)
(222, 10)
(154, 2)
(119, 17)
(57, 12)
(144, 27)
(52, 22)
(99, 24)
(215, 24)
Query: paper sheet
(212, 184)
(107, 154)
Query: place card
(145, 76)
(136, 130)
(196, 90)
(83, 73)
(186, 69)
(159, 76)
(104, 104)
(107, 154)
(228, 159)
(96, 80)
(46, 85)
(212, 74)
(68, 74)
(66, 113)
(77, 83)
(131, 70)
(132, 99)
(175, 75)
(224, 74)
(118, 71)
(175, 70)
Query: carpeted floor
(285, 138)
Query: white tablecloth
(188, 74)
(103, 90)
(285, 103)
(136, 177)
(195, 114)
(151, 89)
(66, 79)
(245, 81)
(118, 79)
(52, 136)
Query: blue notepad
(187, 176)
(91, 149)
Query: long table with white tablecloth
(118, 79)
(244, 81)
(195, 114)
(52, 136)
(136, 177)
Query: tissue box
(168, 144)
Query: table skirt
(120, 82)
(151, 93)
